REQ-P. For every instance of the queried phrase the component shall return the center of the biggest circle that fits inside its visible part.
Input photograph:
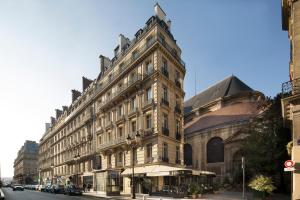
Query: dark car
(48, 188)
(18, 187)
(72, 190)
(58, 189)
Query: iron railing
(291, 87)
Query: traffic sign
(289, 164)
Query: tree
(265, 147)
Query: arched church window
(188, 155)
(215, 150)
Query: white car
(18, 187)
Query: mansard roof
(227, 87)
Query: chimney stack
(65, 108)
(58, 113)
(85, 83)
(159, 12)
(169, 24)
(47, 126)
(75, 95)
(104, 63)
(52, 119)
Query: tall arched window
(215, 150)
(188, 155)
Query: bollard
(144, 197)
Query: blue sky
(47, 46)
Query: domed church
(215, 121)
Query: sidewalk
(225, 195)
(221, 196)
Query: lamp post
(40, 169)
(52, 171)
(133, 144)
(76, 158)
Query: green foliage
(262, 184)
(195, 188)
(289, 147)
(265, 147)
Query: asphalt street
(36, 195)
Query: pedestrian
(84, 186)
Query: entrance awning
(153, 170)
(164, 170)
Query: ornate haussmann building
(291, 89)
(26, 164)
(216, 121)
(138, 94)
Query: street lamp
(133, 144)
(52, 167)
(76, 158)
(40, 169)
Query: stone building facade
(291, 89)
(26, 164)
(216, 121)
(138, 92)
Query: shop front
(109, 182)
(166, 180)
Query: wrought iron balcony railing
(164, 102)
(291, 87)
(165, 72)
(165, 131)
(165, 159)
(177, 109)
(178, 136)
(177, 83)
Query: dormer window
(149, 40)
(134, 54)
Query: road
(35, 195)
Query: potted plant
(193, 190)
(262, 184)
(200, 191)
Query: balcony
(165, 131)
(171, 51)
(148, 132)
(133, 111)
(119, 164)
(290, 94)
(148, 102)
(99, 129)
(120, 118)
(108, 124)
(178, 136)
(121, 90)
(165, 159)
(165, 102)
(177, 83)
(149, 72)
(177, 109)
(149, 160)
(115, 142)
(165, 72)
(291, 87)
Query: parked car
(72, 190)
(2, 196)
(47, 188)
(18, 187)
(58, 189)
(41, 188)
